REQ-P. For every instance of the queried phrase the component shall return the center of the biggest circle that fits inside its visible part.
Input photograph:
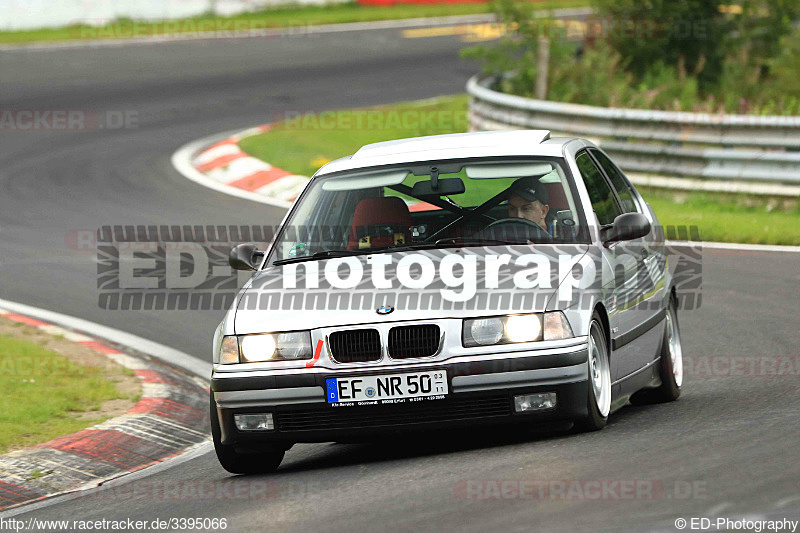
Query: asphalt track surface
(729, 446)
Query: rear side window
(618, 181)
(602, 197)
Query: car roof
(450, 146)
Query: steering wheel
(523, 226)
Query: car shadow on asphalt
(423, 444)
(432, 443)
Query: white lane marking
(737, 246)
(170, 355)
(786, 501)
(182, 161)
(714, 511)
(211, 154)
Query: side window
(618, 181)
(602, 197)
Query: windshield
(434, 204)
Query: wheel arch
(601, 310)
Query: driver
(528, 199)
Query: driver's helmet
(529, 189)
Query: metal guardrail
(692, 145)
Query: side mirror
(626, 227)
(245, 257)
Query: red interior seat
(556, 197)
(380, 219)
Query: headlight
(483, 331)
(292, 346)
(515, 328)
(523, 328)
(258, 347)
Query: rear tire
(236, 462)
(670, 367)
(599, 382)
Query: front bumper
(481, 392)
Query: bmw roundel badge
(384, 309)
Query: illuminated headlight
(515, 328)
(292, 346)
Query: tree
(690, 35)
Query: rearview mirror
(626, 227)
(245, 257)
(444, 187)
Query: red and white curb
(222, 165)
(170, 419)
(225, 163)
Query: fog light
(535, 402)
(254, 422)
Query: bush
(742, 60)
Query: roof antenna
(434, 178)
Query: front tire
(599, 396)
(237, 462)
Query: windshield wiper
(324, 254)
(441, 243)
(464, 241)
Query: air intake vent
(413, 341)
(355, 345)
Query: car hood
(272, 302)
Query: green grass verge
(301, 145)
(45, 395)
(275, 17)
(728, 218)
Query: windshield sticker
(297, 249)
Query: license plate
(393, 388)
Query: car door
(642, 299)
(621, 262)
